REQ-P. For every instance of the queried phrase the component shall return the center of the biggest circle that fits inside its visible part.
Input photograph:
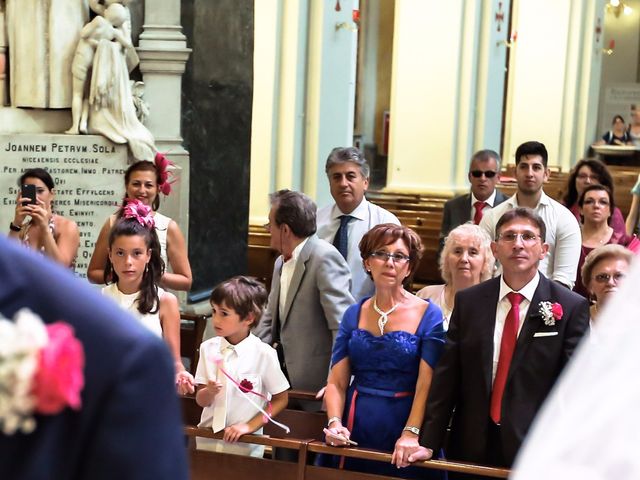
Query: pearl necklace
(384, 316)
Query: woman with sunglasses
(602, 272)
(596, 204)
(390, 344)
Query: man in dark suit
(129, 423)
(484, 172)
(500, 362)
(309, 292)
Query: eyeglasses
(512, 237)
(398, 258)
(479, 173)
(267, 226)
(605, 277)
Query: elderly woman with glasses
(390, 344)
(603, 270)
(465, 261)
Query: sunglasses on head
(479, 173)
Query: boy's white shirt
(251, 360)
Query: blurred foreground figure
(86, 391)
(588, 428)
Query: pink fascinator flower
(134, 208)
(59, 378)
(163, 164)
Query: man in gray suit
(484, 172)
(309, 292)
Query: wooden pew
(191, 331)
(204, 465)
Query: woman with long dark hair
(144, 181)
(37, 226)
(590, 171)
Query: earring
(146, 268)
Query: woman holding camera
(35, 224)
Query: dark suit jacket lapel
(487, 332)
(296, 278)
(12, 283)
(275, 289)
(531, 323)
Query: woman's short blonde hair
(604, 252)
(478, 236)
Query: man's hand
(422, 453)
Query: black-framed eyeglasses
(398, 258)
(479, 173)
(605, 277)
(512, 237)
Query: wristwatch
(414, 430)
(14, 228)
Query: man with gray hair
(484, 171)
(309, 292)
(345, 222)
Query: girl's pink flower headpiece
(134, 208)
(164, 165)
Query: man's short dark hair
(532, 148)
(296, 210)
(525, 213)
(341, 155)
(484, 156)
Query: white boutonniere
(41, 370)
(550, 312)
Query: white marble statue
(111, 109)
(42, 36)
(100, 28)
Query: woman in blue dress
(390, 344)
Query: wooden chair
(191, 331)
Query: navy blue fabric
(381, 366)
(130, 424)
(341, 240)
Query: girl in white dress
(135, 267)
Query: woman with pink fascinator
(143, 182)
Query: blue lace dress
(385, 372)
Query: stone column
(163, 55)
(3, 59)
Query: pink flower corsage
(134, 208)
(550, 312)
(164, 165)
(41, 370)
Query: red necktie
(507, 347)
(478, 215)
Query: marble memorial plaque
(88, 172)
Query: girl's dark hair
(148, 300)
(142, 166)
(40, 174)
(600, 169)
(245, 295)
(617, 117)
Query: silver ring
(332, 444)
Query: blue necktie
(341, 240)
